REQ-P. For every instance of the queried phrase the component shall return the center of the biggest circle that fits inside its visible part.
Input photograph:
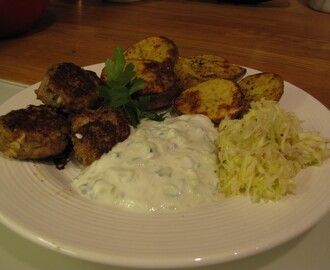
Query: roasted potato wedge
(158, 48)
(157, 79)
(159, 82)
(265, 85)
(194, 69)
(215, 98)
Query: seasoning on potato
(159, 82)
(216, 98)
(194, 69)
(266, 85)
(157, 48)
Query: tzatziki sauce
(162, 166)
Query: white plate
(36, 201)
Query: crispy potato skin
(215, 98)
(95, 132)
(265, 85)
(157, 48)
(157, 79)
(69, 87)
(35, 132)
(154, 59)
(159, 82)
(194, 69)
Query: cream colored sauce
(162, 166)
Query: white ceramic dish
(36, 201)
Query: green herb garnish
(120, 87)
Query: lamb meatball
(36, 132)
(69, 87)
(95, 132)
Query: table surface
(286, 37)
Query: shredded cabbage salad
(260, 154)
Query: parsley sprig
(121, 85)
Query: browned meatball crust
(36, 132)
(69, 87)
(95, 132)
